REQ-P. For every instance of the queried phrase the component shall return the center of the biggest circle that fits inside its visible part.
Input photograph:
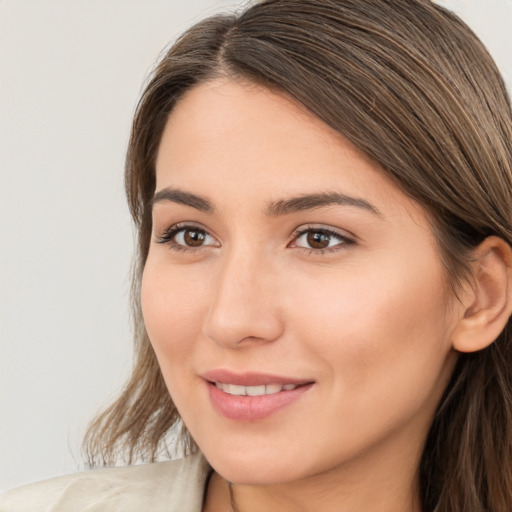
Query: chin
(257, 466)
(241, 473)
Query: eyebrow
(180, 196)
(277, 208)
(312, 201)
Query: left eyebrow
(312, 201)
(176, 195)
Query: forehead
(230, 140)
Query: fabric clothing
(174, 486)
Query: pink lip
(250, 378)
(252, 408)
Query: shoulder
(164, 486)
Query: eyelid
(346, 239)
(166, 238)
(343, 233)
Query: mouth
(266, 389)
(253, 396)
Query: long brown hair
(408, 83)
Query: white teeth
(255, 390)
(269, 389)
(233, 389)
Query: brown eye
(194, 237)
(187, 237)
(318, 239)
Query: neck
(331, 499)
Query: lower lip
(253, 408)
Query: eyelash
(168, 238)
(345, 241)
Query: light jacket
(174, 486)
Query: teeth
(269, 389)
(255, 390)
(233, 389)
(273, 388)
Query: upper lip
(250, 378)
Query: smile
(252, 396)
(268, 389)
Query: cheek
(172, 307)
(375, 330)
(381, 345)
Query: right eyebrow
(176, 195)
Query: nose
(245, 307)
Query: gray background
(70, 75)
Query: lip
(252, 408)
(251, 378)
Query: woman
(322, 191)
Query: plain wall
(70, 75)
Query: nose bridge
(244, 305)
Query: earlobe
(489, 301)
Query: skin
(370, 321)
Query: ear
(487, 300)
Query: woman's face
(294, 296)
